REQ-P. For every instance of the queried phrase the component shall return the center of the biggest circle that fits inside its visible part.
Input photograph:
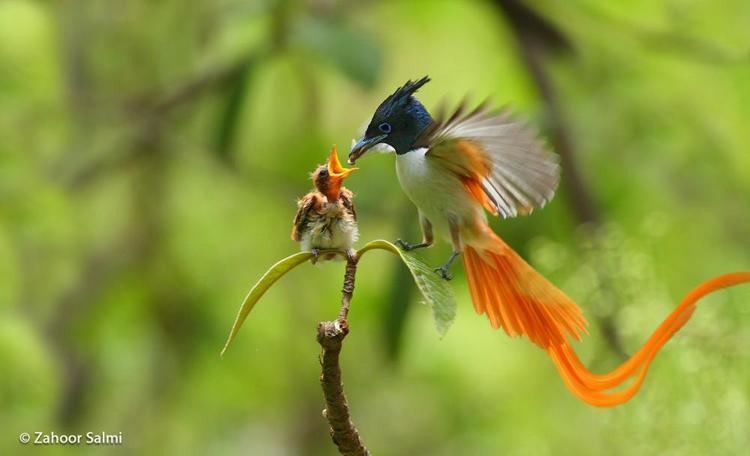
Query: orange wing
(501, 162)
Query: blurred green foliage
(151, 154)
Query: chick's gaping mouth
(335, 169)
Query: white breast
(437, 192)
(332, 228)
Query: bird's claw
(444, 273)
(315, 255)
(405, 246)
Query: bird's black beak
(362, 146)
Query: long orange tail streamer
(523, 302)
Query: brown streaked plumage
(325, 217)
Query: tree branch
(331, 335)
(348, 290)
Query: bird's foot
(443, 272)
(408, 247)
(315, 255)
(403, 245)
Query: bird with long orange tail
(455, 167)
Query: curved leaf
(435, 291)
(265, 282)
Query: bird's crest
(409, 88)
(403, 94)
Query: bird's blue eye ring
(385, 127)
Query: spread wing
(347, 199)
(501, 161)
(304, 207)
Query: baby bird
(326, 219)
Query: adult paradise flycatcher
(455, 167)
(326, 218)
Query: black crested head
(401, 98)
(400, 118)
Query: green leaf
(265, 282)
(351, 51)
(435, 291)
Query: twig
(348, 290)
(331, 335)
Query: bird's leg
(444, 270)
(427, 237)
(315, 254)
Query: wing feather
(512, 166)
(347, 199)
(304, 207)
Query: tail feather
(521, 301)
(517, 298)
(592, 387)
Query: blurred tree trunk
(537, 38)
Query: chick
(326, 219)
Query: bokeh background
(151, 153)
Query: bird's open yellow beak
(334, 166)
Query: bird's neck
(421, 117)
(331, 189)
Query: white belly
(438, 193)
(333, 228)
